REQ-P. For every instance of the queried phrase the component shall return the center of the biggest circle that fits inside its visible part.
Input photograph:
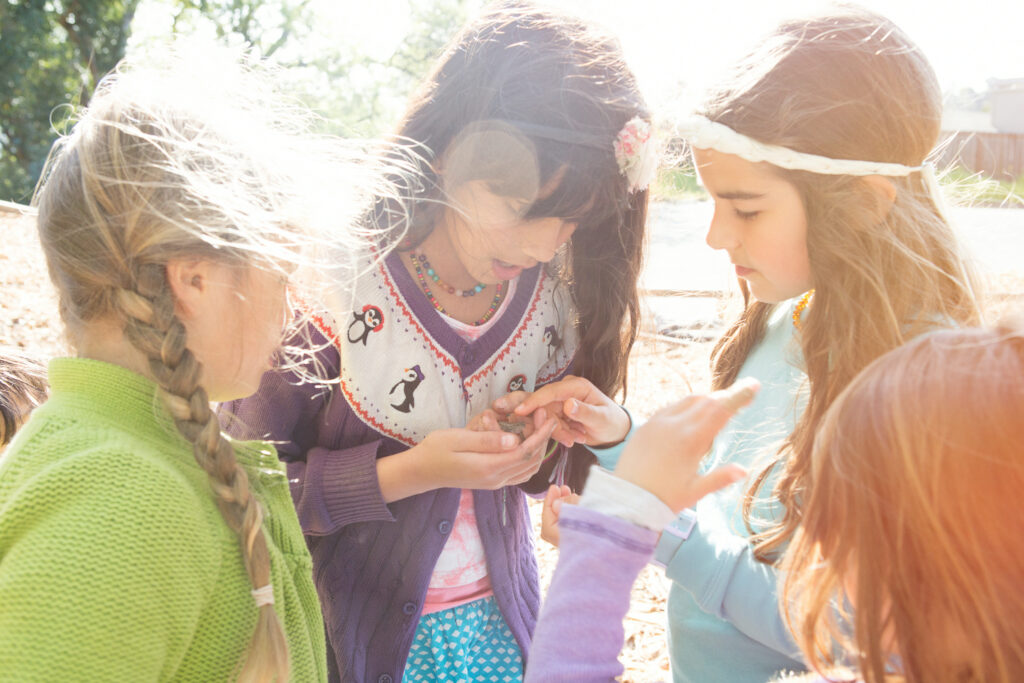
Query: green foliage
(677, 183)
(973, 189)
(52, 53)
(264, 25)
(363, 96)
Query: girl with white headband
(814, 153)
(904, 569)
(513, 262)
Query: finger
(716, 479)
(740, 394)
(552, 495)
(585, 414)
(524, 468)
(574, 431)
(550, 393)
(507, 403)
(709, 414)
(549, 523)
(488, 420)
(538, 439)
(566, 436)
(532, 423)
(526, 465)
(493, 441)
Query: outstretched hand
(585, 415)
(664, 454)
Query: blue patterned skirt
(467, 643)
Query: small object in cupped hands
(513, 427)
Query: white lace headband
(702, 133)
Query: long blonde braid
(152, 327)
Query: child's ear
(884, 191)
(189, 280)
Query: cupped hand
(664, 454)
(585, 414)
(491, 459)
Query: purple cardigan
(373, 561)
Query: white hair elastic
(703, 133)
(263, 596)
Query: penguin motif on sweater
(410, 380)
(371, 319)
(551, 339)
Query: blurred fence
(998, 155)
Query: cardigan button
(384, 678)
(444, 526)
(409, 608)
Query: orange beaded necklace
(805, 300)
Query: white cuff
(617, 497)
(672, 536)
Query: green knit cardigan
(115, 562)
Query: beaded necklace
(800, 306)
(423, 270)
(432, 274)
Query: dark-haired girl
(512, 263)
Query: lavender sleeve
(579, 633)
(331, 486)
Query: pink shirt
(460, 575)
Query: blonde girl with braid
(138, 542)
(814, 153)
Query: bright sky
(672, 42)
(688, 41)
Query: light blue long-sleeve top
(724, 622)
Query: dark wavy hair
(548, 89)
(562, 92)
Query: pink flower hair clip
(636, 153)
